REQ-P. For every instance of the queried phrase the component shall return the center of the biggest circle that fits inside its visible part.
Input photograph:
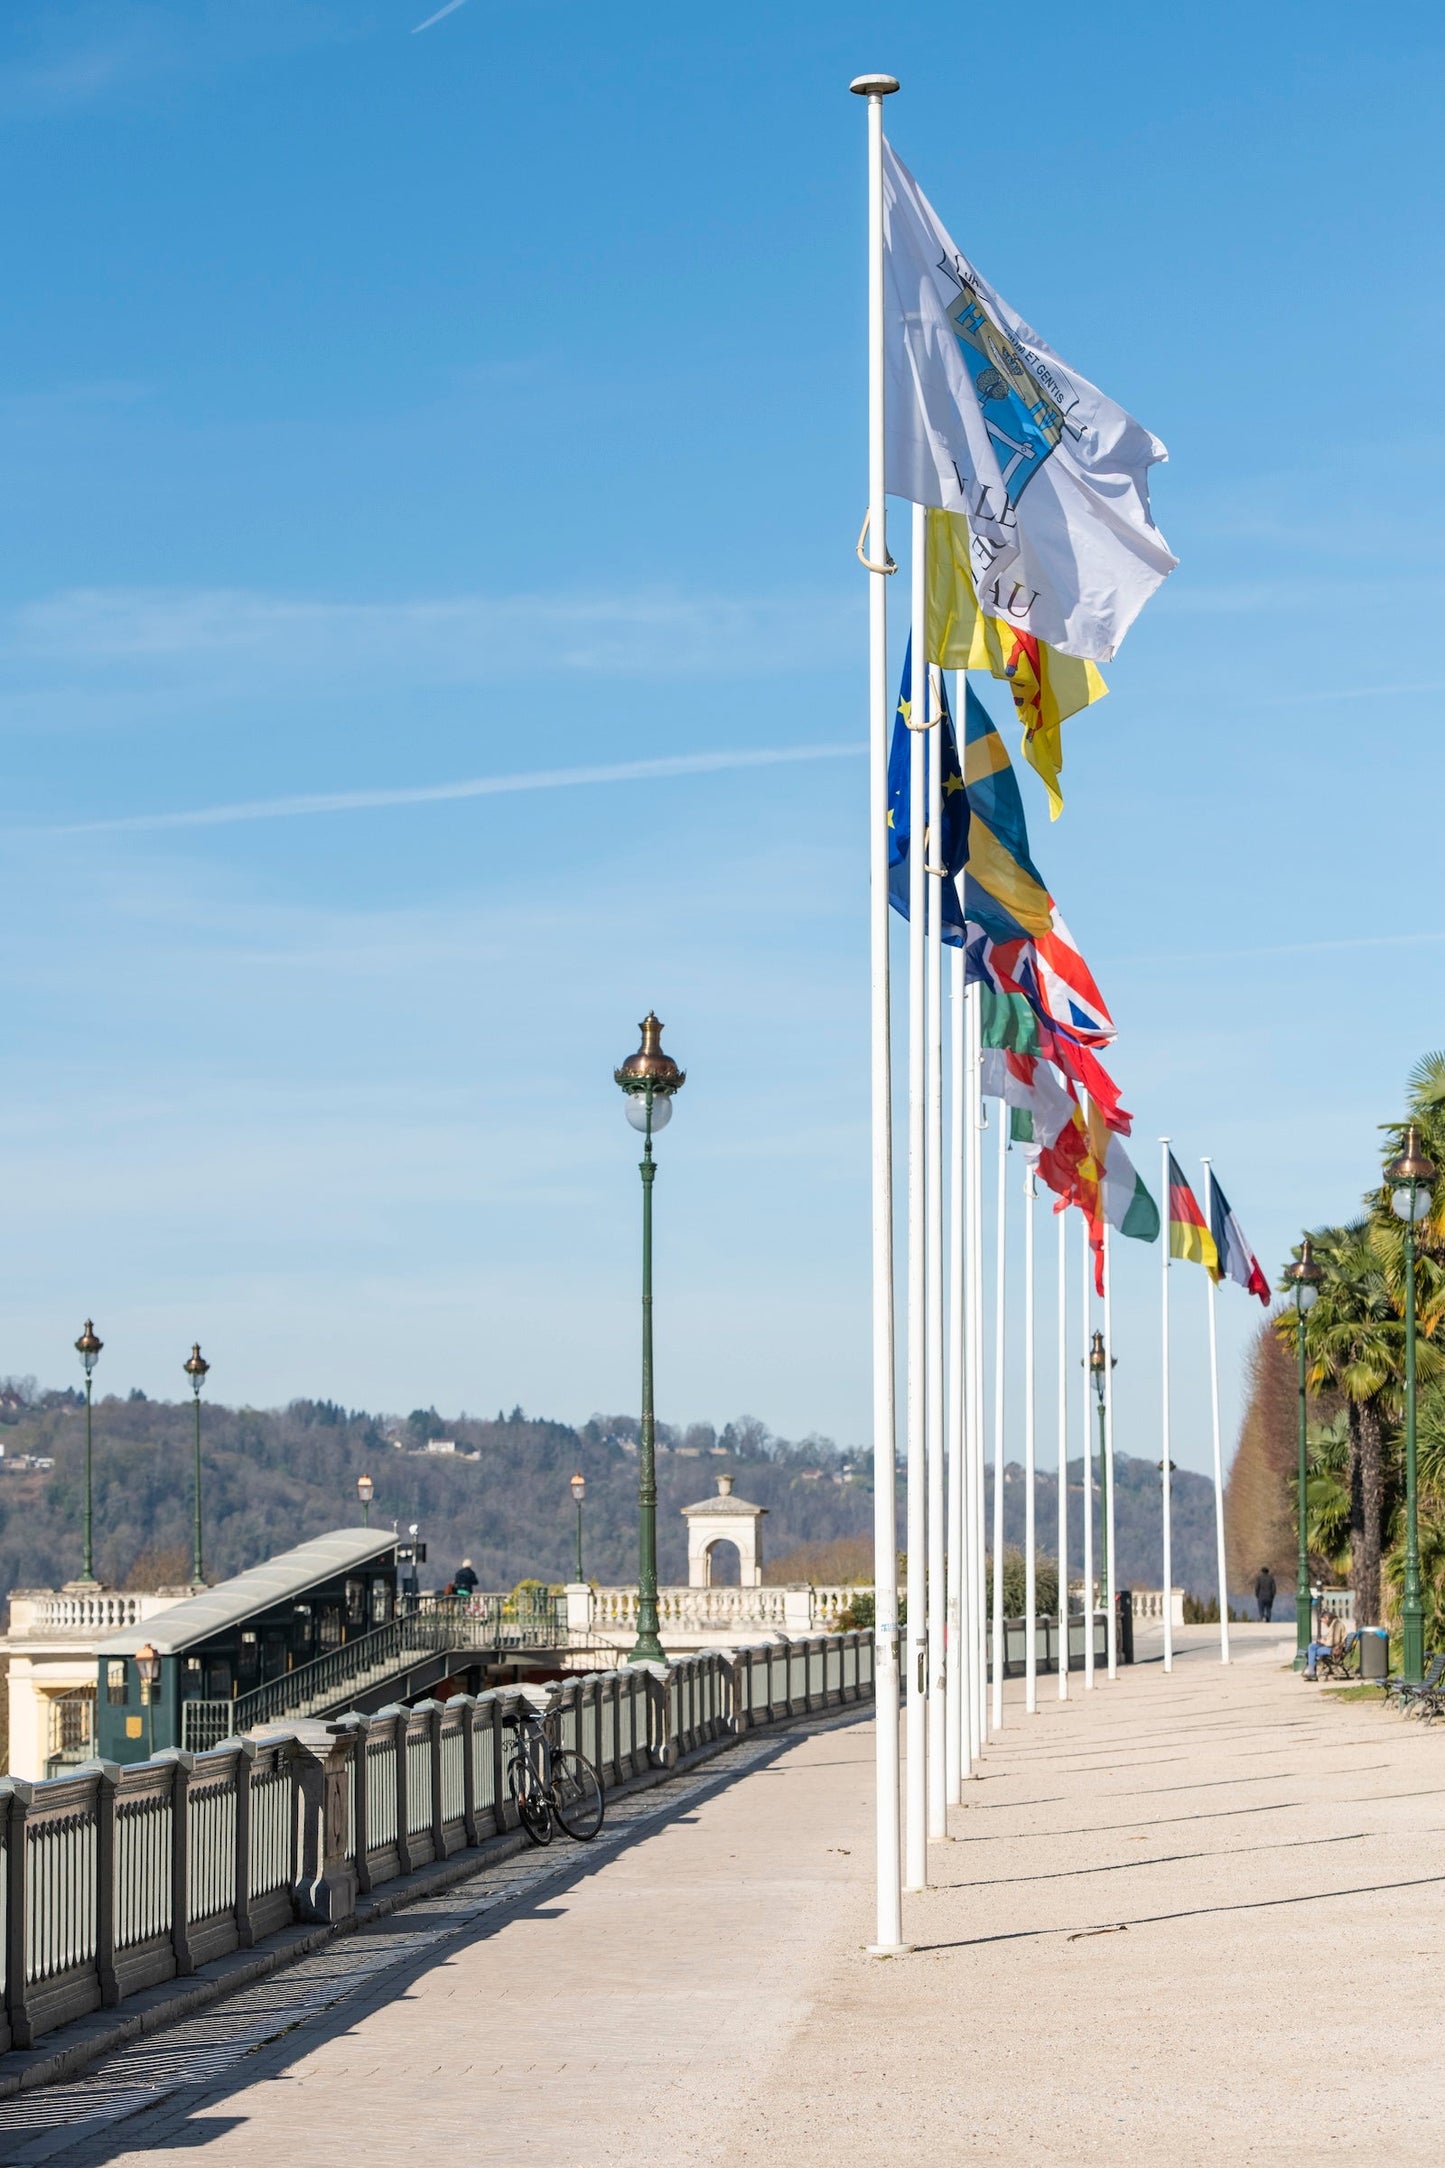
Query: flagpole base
(890, 1949)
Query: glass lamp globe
(636, 1105)
(1411, 1201)
(1308, 1296)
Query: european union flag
(939, 742)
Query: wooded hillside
(273, 1477)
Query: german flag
(1189, 1234)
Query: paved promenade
(1197, 1919)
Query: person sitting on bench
(1332, 1644)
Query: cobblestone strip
(54, 2122)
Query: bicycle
(551, 1784)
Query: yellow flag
(1047, 687)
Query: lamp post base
(1412, 1638)
(1302, 1611)
(649, 1650)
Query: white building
(53, 1643)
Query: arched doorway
(723, 1563)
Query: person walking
(465, 1583)
(1264, 1592)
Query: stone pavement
(1185, 1920)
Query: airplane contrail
(478, 786)
(450, 9)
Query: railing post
(403, 1786)
(507, 1816)
(360, 1728)
(107, 1777)
(732, 1667)
(469, 1769)
(16, 1796)
(325, 1887)
(662, 1745)
(181, 1765)
(433, 1713)
(245, 1753)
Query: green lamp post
(1304, 1277)
(365, 1491)
(1410, 1177)
(195, 1367)
(1099, 1367)
(579, 1492)
(88, 1348)
(649, 1078)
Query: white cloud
(478, 786)
(255, 638)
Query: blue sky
(385, 410)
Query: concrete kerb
(71, 2049)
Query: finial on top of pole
(870, 86)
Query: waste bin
(1374, 1652)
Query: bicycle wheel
(534, 1809)
(576, 1794)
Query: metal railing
(433, 1624)
(116, 1879)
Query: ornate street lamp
(650, 1078)
(579, 1492)
(365, 1491)
(1304, 1277)
(148, 1671)
(1410, 1177)
(1099, 1368)
(195, 1367)
(88, 1348)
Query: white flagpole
(1111, 1577)
(1165, 1469)
(1218, 1445)
(959, 1758)
(888, 1926)
(1088, 1471)
(1000, 1283)
(933, 1275)
(915, 1788)
(1031, 1590)
(1063, 1456)
(973, 1404)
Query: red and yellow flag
(1047, 687)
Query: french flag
(1237, 1260)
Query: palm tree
(1354, 1345)
(1328, 1495)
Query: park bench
(1335, 1663)
(1414, 1695)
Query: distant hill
(273, 1477)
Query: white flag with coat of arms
(984, 419)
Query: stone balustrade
(1147, 1604)
(42, 1613)
(115, 1880)
(802, 1608)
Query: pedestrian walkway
(1186, 1919)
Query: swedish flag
(939, 742)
